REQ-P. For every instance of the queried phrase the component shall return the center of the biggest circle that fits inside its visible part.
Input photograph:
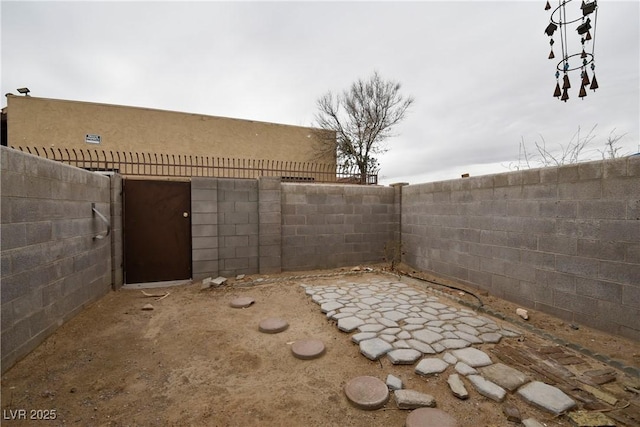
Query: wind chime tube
(557, 92)
(594, 83)
(565, 83)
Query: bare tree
(576, 150)
(362, 117)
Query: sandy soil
(195, 361)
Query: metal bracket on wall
(103, 218)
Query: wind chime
(586, 29)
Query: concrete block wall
(51, 265)
(224, 227)
(565, 241)
(327, 226)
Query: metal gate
(157, 231)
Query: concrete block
(204, 242)
(204, 194)
(599, 289)
(603, 250)
(620, 272)
(557, 244)
(204, 206)
(204, 254)
(576, 303)
(205, 230)
(582, 190)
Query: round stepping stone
(430, 417)
(308, 349)
(242, 302)
(368, 393)
(272, 325)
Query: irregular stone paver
(393, 382)
(368, 393)
(546, 397)
(272, 325)
(491, 337)
(472, 357)
(308, 349)
(363, 336)
(404, 356)
(426, 336)
(457, 387)
(330, 306)
(375, 348)
(487, 388)
(531, 422)
(512, 413)
(449, 358)
(411, 399)
(453, 344)
(505, 376)
(422, 347)
(241, 302)
(349, 324)
(430, 417)
(430, 366)
(464, 369)
(371, 327)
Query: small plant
(393, 253)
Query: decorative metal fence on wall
(186, 166)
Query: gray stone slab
(401, 344)
(451, 344)
(371, 327)
(388, 338)
(457, 387)
(427, 336)
(349, 324)
(505, 376)
(394, 315)
(388, 322)
(491, 337)
(422, 347)
(411, 399)
(472, 321)
(375, 348)
(415, 320)
(468, 337)
(467, 329)
(403, 335)
(464, 369)
(546, 397)
(361, 336)
(487, 388)
(330, 306)
(430, 366)
(449, 358)
(404, 356)
(394, 383)
(472, 357)
(531, 422)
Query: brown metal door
(157, 231)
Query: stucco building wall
(52, 123)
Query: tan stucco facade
(53, 123)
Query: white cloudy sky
(478, 70)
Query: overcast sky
(478, 70)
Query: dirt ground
(195, 361)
